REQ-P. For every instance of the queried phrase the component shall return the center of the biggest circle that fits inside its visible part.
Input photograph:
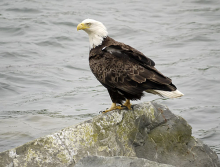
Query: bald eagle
(123, 70)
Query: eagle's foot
(127, 104)
(113, 107)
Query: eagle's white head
(96, 31)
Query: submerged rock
(150, 131)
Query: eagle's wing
(133, 53)
(139, 68)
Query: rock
(95, 161)
(150, 131)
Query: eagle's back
(119, 66)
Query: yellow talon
(127, 104)
(113, 107)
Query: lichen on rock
(150, 131)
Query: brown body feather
(125, 71)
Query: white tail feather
(169, 94)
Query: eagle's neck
(96, 39)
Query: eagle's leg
(127, 104)
(113, 107)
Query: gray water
(45, 80)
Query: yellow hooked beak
(82, 26)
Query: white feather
(169, 94)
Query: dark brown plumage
(125, 72)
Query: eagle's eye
(88, 24)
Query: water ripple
(45, 80)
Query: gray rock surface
(95, 161)
(150, 131)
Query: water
(45, 80)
